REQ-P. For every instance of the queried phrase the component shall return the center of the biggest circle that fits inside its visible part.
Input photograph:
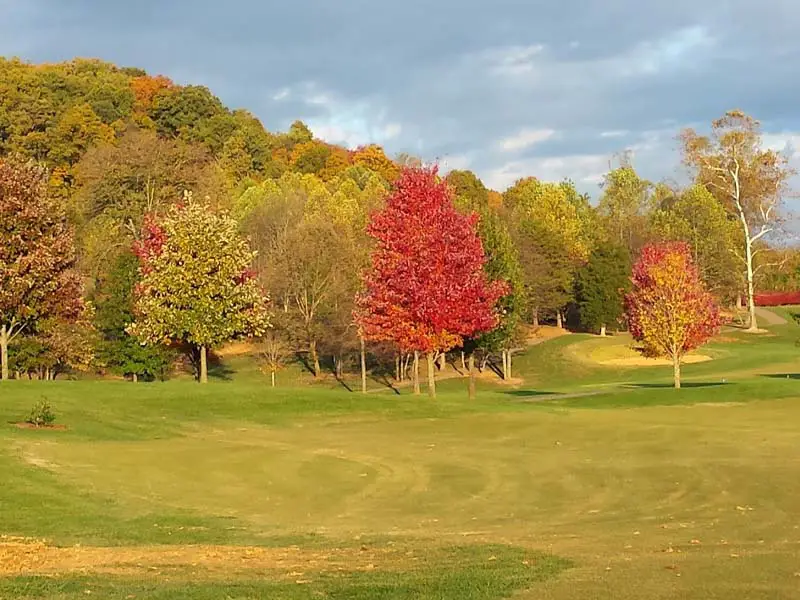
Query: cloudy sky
(507, 88)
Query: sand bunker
(641, 361)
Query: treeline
(120, 148)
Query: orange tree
(670, 312)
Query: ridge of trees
(115, 150)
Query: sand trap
(641, 361)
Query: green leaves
(196, 283)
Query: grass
(585, 481)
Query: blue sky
(507, 88)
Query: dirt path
(769, 317)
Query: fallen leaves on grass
(24, 556)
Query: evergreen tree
(600, 287)
(118, 350)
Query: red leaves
(151, 243)
(427, 289)
(670, 310)
(777, 298)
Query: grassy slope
(610, 489)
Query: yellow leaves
(549, 205)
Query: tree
(502, 263)
(426, 289)
(624, 205)
(196, 284)
(118, 184)
(37, 255)
(113, 301)
(274, 351)
(547, 270)
(600, 287)
(694, 216)
(750, 182)
(670, 312)
(468, 189)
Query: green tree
(502, 264)
(697, 218)
(601, 285)
(118, 350)
(624, 206)
(468, 189)
(196, 285)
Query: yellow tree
(670, 312)
(748, 180)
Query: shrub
(777, 298)
(42, 414)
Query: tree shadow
(528, 393)
(384, 380)
(219, 370)
(782, 376)
(660, 386)
(303, 359)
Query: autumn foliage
(670, 311)
(426, 290)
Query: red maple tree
(669, 310)
(426, 290)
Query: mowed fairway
(613, 490)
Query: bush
(777, 298)
(42, 414)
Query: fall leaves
(670, 312)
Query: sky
(507, 88)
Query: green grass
(584, 481)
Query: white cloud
(672, 50)
(282, 94)
(391, 131)
(455, 162)
(788, 142)
(512, 61)
(585, 169)
(614, 133)
(525, 139)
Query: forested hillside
(121, 148)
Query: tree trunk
(363, 367)
(431, 376)
(739, 303)
(463, 363)
(203, 365)
(559, 321)
(312, 351)
(471, 385)
(748, 246)
(602, 331)
(505, 365)
(398, 360)
(442, 361)
(535, 317)
(676, 370)
(272, 377)
(4, 350)
(135, 378)
(508, 361)
(415, 374)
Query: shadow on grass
(529, 393)
(782, 376)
